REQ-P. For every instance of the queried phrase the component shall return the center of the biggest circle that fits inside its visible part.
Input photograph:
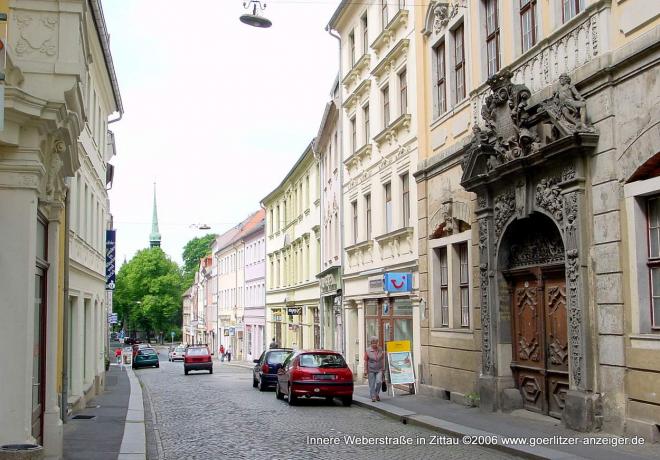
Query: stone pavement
(116, 430)
(459, 420)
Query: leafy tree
(194, 250)
(148, 292)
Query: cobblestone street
(220, 415)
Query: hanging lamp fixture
(254, 19)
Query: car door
(257, 367)
(283, 373)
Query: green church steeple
(154, 236)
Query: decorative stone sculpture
(443, 13)
(568, 107)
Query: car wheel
(157, 365)
(347, 401)
(261, 385)
(255, 383)
(329, 399)
(278, 393)
(185, 371)
(291, 398)
(211, 371)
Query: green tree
(148, 292)
(194, 250)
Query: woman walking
(373, 367)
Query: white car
(178, 353)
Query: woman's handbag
(383, 386)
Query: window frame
(652, 261)
(405, 199)
(403, 91)
(492, 36)
(365, 33)
(387, 193)
(351, 47)
(367, 212)
(384, 14)
(440, 80)
(459, 66)
(353, 123)
(528, 8)
(385, 93)
(575, 5)
(366, 125)
(354, 210)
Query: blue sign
(398, 282)
(110, 259)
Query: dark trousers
(228, 357)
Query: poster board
(400, 366)
(126, 356)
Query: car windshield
(179, 349)
(322, 360)
(147, 351)
(277, 357)
(197, 351)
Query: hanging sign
(110, 259)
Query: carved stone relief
(487, 360)
(504, 207)
(548, 197)
(568, 108)
(443, 13)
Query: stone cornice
(363, 245)
(356, 159)
(353, 76)
(357, 97)
(385, 66)
(391, 133)
(401, 233)
(387, 36)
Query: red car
(197, 358)
(315, 373)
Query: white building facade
(255, 289)
(379, 153)
(293, 252)
(60, 91)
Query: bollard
(21, 452)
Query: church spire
(154, 237)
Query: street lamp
(200, 226)
(254, 19)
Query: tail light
(265, 368)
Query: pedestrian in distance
(221, 352)
(118, 355)
(229, 353)
(274, 344)
(374, 366)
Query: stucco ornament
(443, 13)
(54, 184)
(37, 33)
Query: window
(353, 135)
(367, 133)
(459, 67)
(284, 213)
(386, 106)
(492, 37)
(351, 47)
(384, 13)
(271, 221)
(354, 208)
(365, 34)
(570, 8)
(464, 281)
(277, 217)
(653, 219)
(367, 207)
(403, 88)
(405, 196)
(440, 88)
(444, 288)
(528, 23)
(388, 207)
(402, 4)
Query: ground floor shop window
(388, 319)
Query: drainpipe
(64, 405)
(317, 157)
(341, 192)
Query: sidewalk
(458, 420)
(116, 429)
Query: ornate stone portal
(530, 158)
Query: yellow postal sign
(397, 346)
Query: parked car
(264, 374)
(198, 358)
(322, 373)
(145, 357)
(177, 353)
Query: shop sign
(277, 318)
(400, 363)
(397, 282)
(232, 331)
(328, 283)
(294, 311)
(376, 284)
(110, 244)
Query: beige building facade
(544, 166)
(378, 122)
(293, 250)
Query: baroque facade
(293, 252)
(378, 122)
(59, 92)
(556, 182)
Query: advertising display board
(400, 363)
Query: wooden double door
(539, 323)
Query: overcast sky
(216, 112)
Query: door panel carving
(540, 341)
